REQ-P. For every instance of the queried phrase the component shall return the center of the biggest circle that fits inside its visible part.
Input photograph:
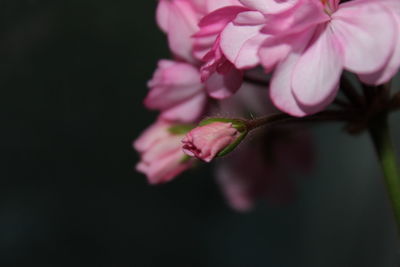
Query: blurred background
(73, 76)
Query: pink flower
(205, 142)
(161, 153)
(313, 42)
(176, 90)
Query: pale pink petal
(150, 136)
(274, 50)
(389, 70)
(281, 82)
(280, 87)
(176, 90)
(307, 14)
(161, 153)
(165, 169)
(317, 73)
(269, 6)
(162, 14)
(368, 32)
(202, 45)
(216, 4)
(172, 83)
(240, 43)
(182, 24)
(188, 111)
(161, 148)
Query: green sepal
(185, 159)
(180, 129)
(232, 146)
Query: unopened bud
(214, 137)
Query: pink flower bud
(206, 142)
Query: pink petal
(317, 73)
(188, 111)
(150, 136)
(368, 32)
(281, 89)
(172, 83)
(221, 86)
(162, 14)
(275, 49)
(161, 148)
(216, 4)
(182, 24)
(307, 14)
(389, 70)
(214, 22)
(165, 169)
(240, 43)
(281, 82)
(269, 6)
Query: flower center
(330, 6)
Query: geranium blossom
(359, 36)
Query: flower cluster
(225, 52)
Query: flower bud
(214, 137)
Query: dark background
(72, 78)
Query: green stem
(380, 134)
(282, 118)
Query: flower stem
(380, 134)
(281, 118)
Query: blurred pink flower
(161, 153)
(205, 142)
(176, 90)
(262, 168)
